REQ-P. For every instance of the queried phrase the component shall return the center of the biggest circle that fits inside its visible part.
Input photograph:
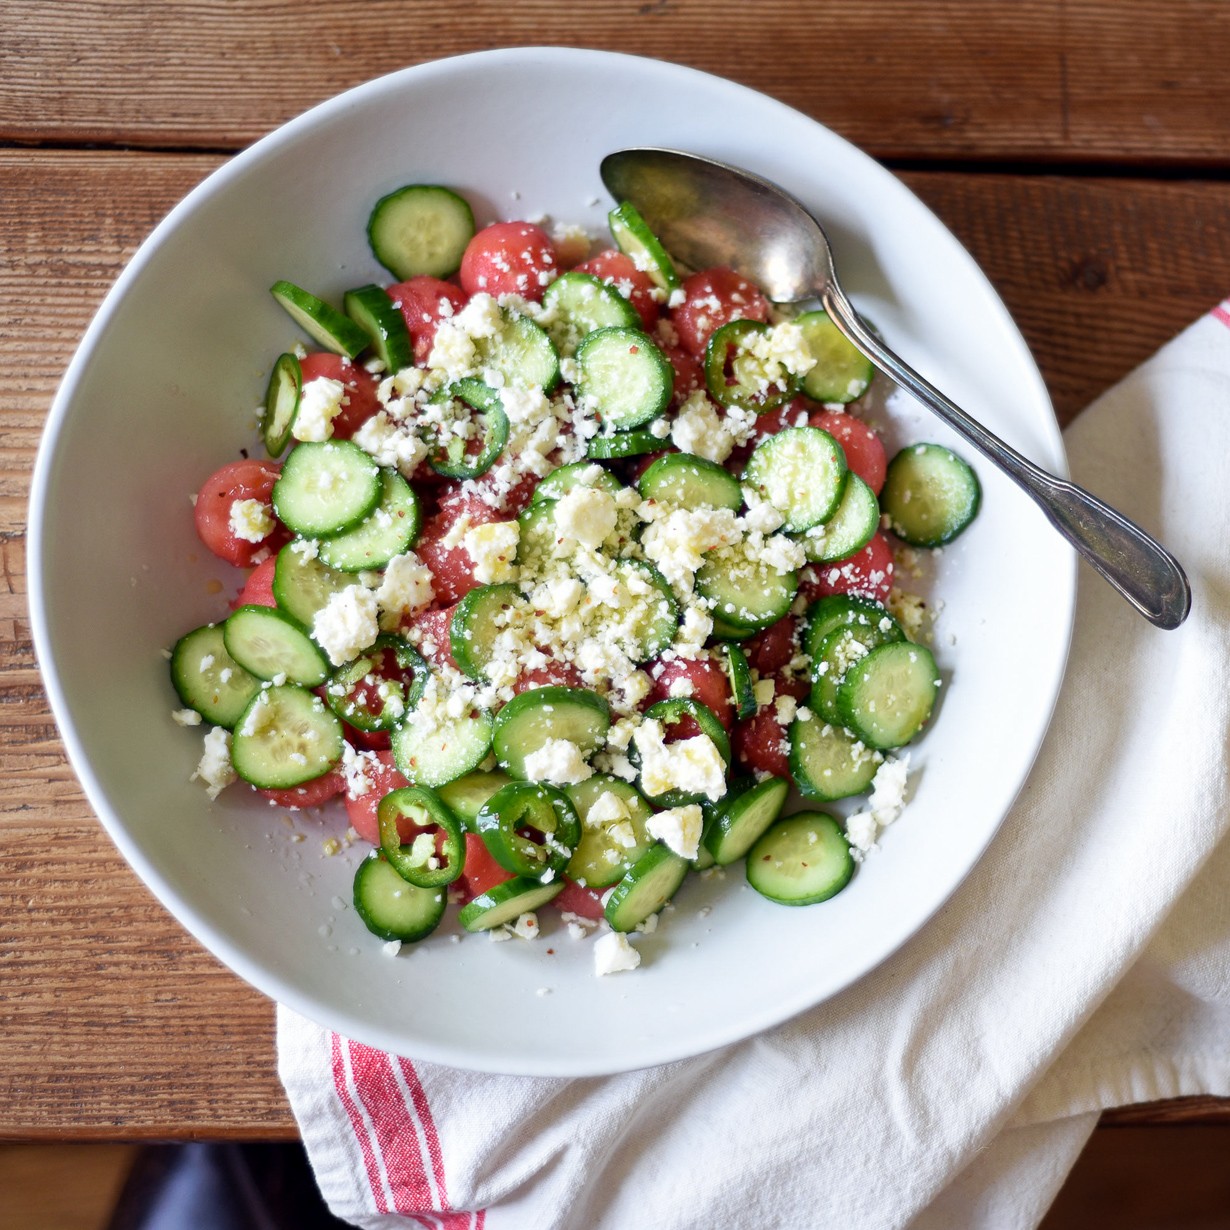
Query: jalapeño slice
(472, 451)
(378, 688)
(531, 829)
(434, 853)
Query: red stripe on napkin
(1222, 312)
(396, 1133)
(341, 1084)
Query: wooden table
(1080, 149)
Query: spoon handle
(1144, 572)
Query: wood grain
(117, 1025)
(1056, 80)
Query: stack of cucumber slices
(631, 577)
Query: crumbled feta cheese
(558, 762)
(526, 927)
(493, 548)
(699, 429)
(347, 624)
(251, 520)
(405, 587)
(215, 770)
(587, 514)
(320, 402)
(391, 444)
(607, 808)
(613, 953)
(679, 828)
(885, 804)
(693, 765)
(355, 769)
(186, 717)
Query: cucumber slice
(842, 372)
(634, 238)
(650, 621)
(528, 721)
(479, 619)
(652, 881)
(851, 527)
(839, 610)
(610, 844)
(506, 903)
(930, 495)
(281, 403)
(745, 594)
(538, 537)
(584, 303)
(381, 320)
(285, 737)
(801, 860)
(800, 471)
(887, 697)
(840, 650)
(625, 378)
(469, 456)
(302, 585)
(827, 762)
(271, 645)
(739, 674)
(208, 679)
(465, 796)
(576, 474)
(521, 352)
(686, 481)
(386, 532)
(623, 444)
(420, 229)
(722, 631)
(740, 820)
(391, 908)
(434, 753)
(325, 325)
(326, 487)
(736, 376)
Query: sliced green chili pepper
(531, 829)
(376, 690)
(736, 377)
(435, 855)
(449, 455)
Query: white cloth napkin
(1084, 964)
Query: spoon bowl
(709, 213)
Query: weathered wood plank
(1073, 80)
(116, 1024)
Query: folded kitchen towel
(1084, 964)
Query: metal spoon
(708, 213)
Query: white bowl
(162, 391)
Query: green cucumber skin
(788, 868)
(939, 516)
(411, 256)
(420, 912)
(506, 902)
(510, 749)
(653, 880)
